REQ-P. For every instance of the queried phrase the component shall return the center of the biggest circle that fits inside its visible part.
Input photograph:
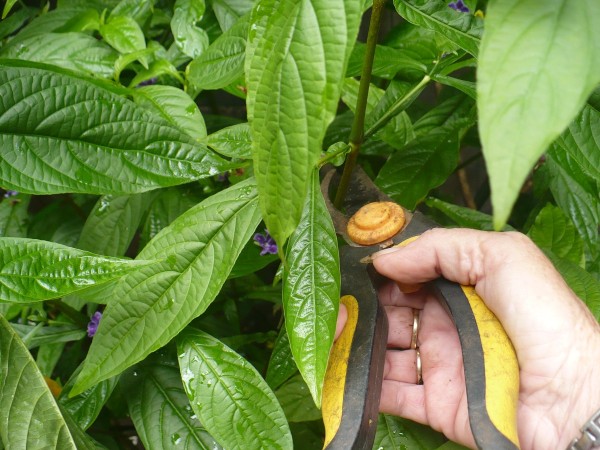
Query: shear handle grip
(490, 366)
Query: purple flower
(10, 193)
(459, 5)
(266, 242)
(223, 177)
(94, 322)
(148, 82)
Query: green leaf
(395, 433)
(196, 252)
(32, 270)
(7, 7)
(123, 34)
(538, 65)
(15, 21)
(581, 140)
(112, 223)
(281, 364)
(311, 289)
(140, 10)
(388, 62)
(223, 61)
(581, 282)
(462, 29)
(81, 439)
(572, 193)
(52, 140)
(234, 141)
(189, 38)
(229, 396)
(31, 418)
(296, 401)
(467, 87)
(88, 19)
(229, 11)
(451, 446)
(295, 61)
(47, 357)
(14, 218)
(175, 106)
(74, 51)
(48, 334)
(450, 113)
(49, 22)
(85, 407)
(250, 260)
(553, 231)
(161, 412)
(464, 217)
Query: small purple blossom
(148, 82)
(460, 6)
(94, 322)
(223, 177)
(266, 242)
(10, 193)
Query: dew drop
(176, 438)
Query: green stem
(399, 105)
(76, 316)
(357, 132)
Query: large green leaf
(15, 21)
(14, 218)
(538, 64)
(189, 38)
(161, 412)
(464, 217)
(30, 416)
(388, 62)
(395, 433)
(75, 51)
(229, 396)
(296, 401)
(175, 106)
(229, 11)
(281, 364)
(447, 114)
(196, 253)
(311, 289)
(64, 133)
(112, 223)
(553, 231)
(234, 141)
(32, 270)
(295, 62)
(223, 61)
(462, 29)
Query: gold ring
(419, 368)
(415, 329)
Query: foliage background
(143, 143)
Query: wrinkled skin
(556, 338)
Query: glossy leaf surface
(234, 141)
(32, 270)
(395, 433)
(462, 29)
(281, 364)
(229, 396)
(31, 418)
(123, 34)
(60, 143)
(311, 289)
(296, 57)
(161, 412)
(189, 38)
(195, 253)
(223, 61)
(537, 66)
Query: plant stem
(357, 132)
(76, 316)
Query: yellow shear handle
(491, 368)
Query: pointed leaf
(175, 106)
(31, 418)
(296, 401)
(112, 223)
(462, 29)
(223, 61)
(234, 141)
(161, 412)
(296, 58)
(538, 64)
(311, 289)
(48, 335)
(553, 231)
(281, 364)
(123, 34)
(196, 252)
(229, 396)
(32, 270)
(464, 217)
(229, 11)
(52, 140)
(189, 38)
(74, 51)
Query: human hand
(556, 338)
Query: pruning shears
(354, 375)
